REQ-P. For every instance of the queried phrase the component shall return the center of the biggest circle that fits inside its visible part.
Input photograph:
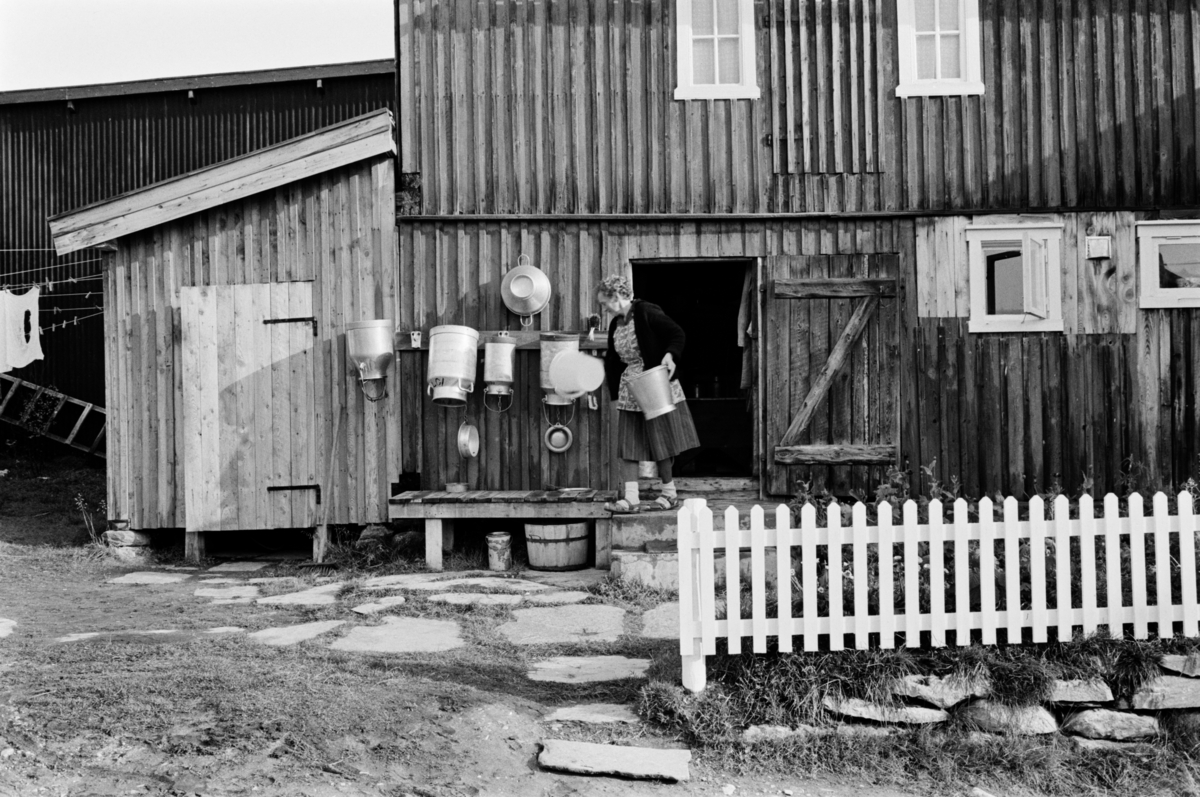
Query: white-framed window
(1016, 277)
(939, 48)
(716, 50)
(1169, 263)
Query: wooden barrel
(561, 546)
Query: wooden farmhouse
(900, 234)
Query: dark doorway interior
(705, 298)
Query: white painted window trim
(1050, 236)
(685, 89)
(972, 70)
(1149, 235)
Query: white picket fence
(998, 607)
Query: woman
(641, 336)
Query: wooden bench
(439, 510)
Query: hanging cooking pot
(525, 290)
(468, 440)
(558, 438)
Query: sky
(48, 43)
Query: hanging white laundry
(20, 313)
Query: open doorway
(707, 298)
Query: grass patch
(631, 594)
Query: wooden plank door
(831, 342)
(248, 407)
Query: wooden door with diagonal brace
(832, 371)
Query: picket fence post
(691, 605)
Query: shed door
(832, 392)
(249, 413)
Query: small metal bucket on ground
(557, 546)
(652, 391)
(499, 545)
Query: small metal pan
(468, 440)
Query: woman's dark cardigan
(657, 335)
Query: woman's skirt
(656, 439)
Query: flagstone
(294, 634)
(6, 627)
(379, 605)
(662, 622)
(588, 758)
(593, 714)
(475, 599)
(588, 669)
(505, 584)
(239, 567)
(324, 595)
(144, 577)
(402, 635)
(226, 593)
(565, 624)
(558, 598)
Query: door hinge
(283, 487)
(308, 319)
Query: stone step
(635, 530)
(660, 569)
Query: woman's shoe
(666, 502)
(621, 507)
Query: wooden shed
(233, 406)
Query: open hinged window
(939, 48)
(716, 50)
(1169, 262)
(1015, 279)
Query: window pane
(1005, 277)
(702, 16)
(926, 16)
(948, 15)
(727, 16)
(729, 59)
(926, 57)
(951, 59)
(1179, 265)
(704, 62)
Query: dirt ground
(193, 713)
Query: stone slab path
(476, 599)
(587, 758)
(228, 594)
(561, 624)
(661, 622)
(239, 567)
(402, 635)
(294, 634)
(505, 584)
(588, 669)
(379, 605)
(324, 595)
(6, 627)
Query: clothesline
(56, 310)
(60, 281)
(47, 268)
(64, 324)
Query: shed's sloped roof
(338, 145)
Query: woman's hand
(669, 361)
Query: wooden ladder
(28, 414)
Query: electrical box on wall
(1098, 247)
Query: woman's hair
(616, 285)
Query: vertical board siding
(1087, 104)
(334, 231)
(53, 160)
(825, 72)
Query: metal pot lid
(558, 438)
(525, 290)
(468, 440)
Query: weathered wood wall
(530, 107)
(337, 231)
(1002, 412)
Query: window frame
(971, 82)
(1049, 237)
(1151, 296)
(685, 89)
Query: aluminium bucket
(369, 345)
(498, 364)
(453, 357)
(652, 391)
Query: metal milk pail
(553, 344)
(453, 356)
(498, 365)
(369, 345)
(652, 391)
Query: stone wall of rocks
(1087, 711)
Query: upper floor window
(1169, 262)
(1015, 278)
(939, 48)
(716, 50)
